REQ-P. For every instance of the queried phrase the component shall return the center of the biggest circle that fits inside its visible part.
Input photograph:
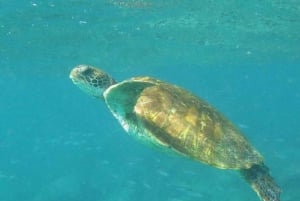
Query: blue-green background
(58, 144)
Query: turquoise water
(57, 144)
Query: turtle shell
(174, 119)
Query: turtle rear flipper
(262, 183)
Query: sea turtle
(173, 119)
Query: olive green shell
(175, 119)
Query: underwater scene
(58, 143)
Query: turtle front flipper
(262, 183)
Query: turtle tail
(262, 183)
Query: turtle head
(91, 80)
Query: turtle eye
(86, 71)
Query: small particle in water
(206, 43)
(33, 4)
(82, 22)
(131, 182)
(248, 52)
(243, 126)
(163, 173)
(188, 172)
(146, 185)
(105, 162)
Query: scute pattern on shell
(193, 127)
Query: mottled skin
(171, 118)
